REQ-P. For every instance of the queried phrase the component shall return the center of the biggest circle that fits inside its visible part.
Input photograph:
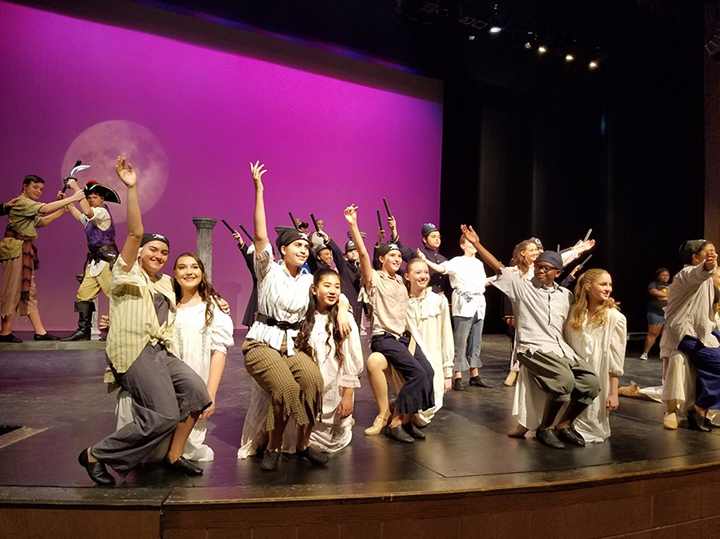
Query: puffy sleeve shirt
(280, 296)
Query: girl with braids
(203, 334)
(597, 331)
(340, 362)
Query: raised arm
(135, 230)
(261, 232)
(486, 255)
(435, 267)
(366, 267)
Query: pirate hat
(108, 193)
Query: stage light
(569, 57)
(495, 30)
(530, 41)
(542, 49)
(593, 64)
(471, 38)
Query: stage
(467, 479)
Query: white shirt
(280, 296)
(467, 278)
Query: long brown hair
(518, 259)
(207, 293)
(302, 339)
(580, 308)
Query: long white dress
(431, 315)
(195, 345)
(331, 433)
(604, 348)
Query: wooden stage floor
(58, 397)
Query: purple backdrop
(191, 119)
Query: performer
(468, 281)
(252, 305)
(391, 334)
(95, 217)
(5, 208)
(658, 292)
(690, 330)
(19, 257)
(432, 239)
(168, 396)
(597, 331)
(328, 253)
(340, 362)
(541, 308)
(290, 376)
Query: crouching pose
(388, 298)
(541, 307)
(289, 375)
(168, 396)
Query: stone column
(204, 227)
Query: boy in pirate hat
(97, 221)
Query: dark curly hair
(207, 293)
(302, 340)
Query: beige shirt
(134, 322)
(689, 310)
(24, 218)
(388, 299)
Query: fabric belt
(30, 261)
(281, 324)
(108, 253)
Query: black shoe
(478, 382)
(549, 438)
(10, 338)
(45, 337)
(315, 457)
(96, 470)
(398, 434)
(696, 421)
(183, 465)
(270, 461)
(569, 436)
(79, 335)
(413, 431)
(458, 385)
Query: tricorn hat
(108, 193)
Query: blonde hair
(581, 305)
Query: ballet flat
(377, 426)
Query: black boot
(83, 332)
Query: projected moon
(99, 147)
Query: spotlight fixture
(530, 41)
(594, 64)
(542, 49)
(498, 20)
(569, 57)
(495, 29)
(471, 38)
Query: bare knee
(376, 362)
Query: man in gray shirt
(541, 308)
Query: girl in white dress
(340, 362)
(597, 331)
(204, 333)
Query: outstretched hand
(710, 260)
(420, 254)
(126, 172)
(470, 234)
(238, 237)
(351, 214)
(258, 169)
(584, 246)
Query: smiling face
(700, 257)
(153, 256)
(418, 275)
(188, 273)
(530, 252)
(33, 190)
(391, 262)
(546, 273)
(295, 254)
(433, 240)
(326, 256)
(327, 291)
(664, 277)
(600, 289)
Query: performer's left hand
(612, 402)
(126, 172)
(224, 306)
(210, 410)
(343, 322)
(347, 404)
(447, 384)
